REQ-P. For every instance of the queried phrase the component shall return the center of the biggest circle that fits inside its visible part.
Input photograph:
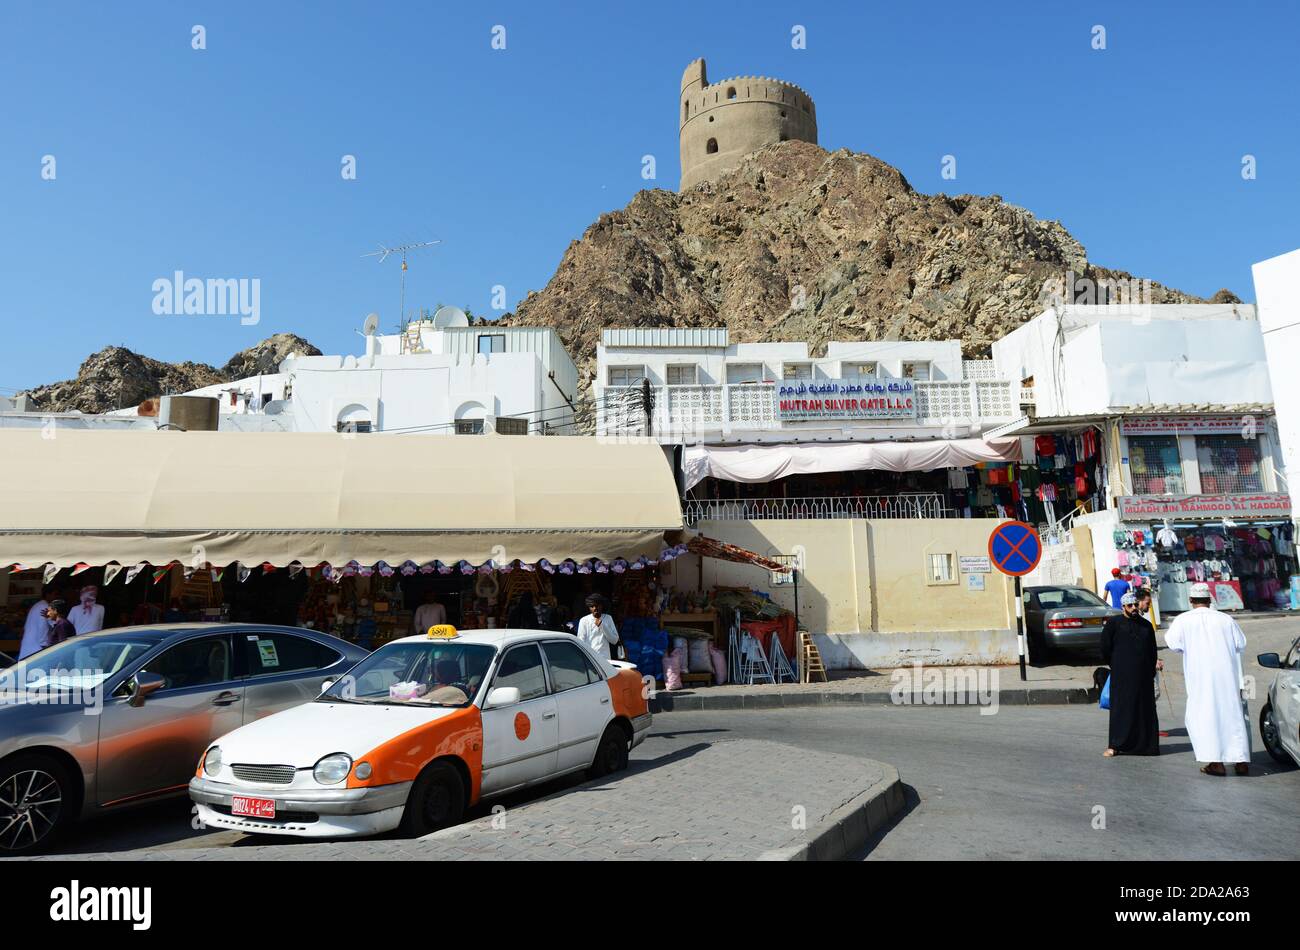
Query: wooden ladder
(810, 659)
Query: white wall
(1277, 292)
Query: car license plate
(252, 807)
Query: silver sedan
(109, 720)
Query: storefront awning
(765, 463)
(220, 497)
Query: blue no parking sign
(1015, 548)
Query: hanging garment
(1045, 445)
(1166, 537)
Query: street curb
(847, 829)
(664, 701)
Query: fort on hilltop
(723, 122)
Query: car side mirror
(1270, 660)
(142, 685)
(503, 696)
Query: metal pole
(1020, 628)
(795, 572)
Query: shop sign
(1148, 507)
(974, 581)
(1184, 425)
(846, 399)
(975, 565)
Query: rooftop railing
(905, 505)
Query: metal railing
(687, 410)
(905, 505)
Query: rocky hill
(803, 244)
(116, 378)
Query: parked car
(108, 720)
(1065, 617)
(421, 729)
(1279, 720)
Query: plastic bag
(673, 670)
(697, 657)
(1104, 702)
(719, 660)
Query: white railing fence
(905, 505)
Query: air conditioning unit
(506, 425)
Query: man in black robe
(1128, 644)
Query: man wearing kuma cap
(1128, 644)
(1211, 644)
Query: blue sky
(225, 162)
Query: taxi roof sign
(443, 631)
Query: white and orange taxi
(420, 730)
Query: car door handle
(604, 700)
(226, 699)
(549, 715)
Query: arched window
(686, 111)
(712, 146)
(731, 92)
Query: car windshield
(416, 673)
(1057, 597)
(79, 663)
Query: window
(712, 146)
(1053, 598)
(916, 369)
(361, 425)
(284, 653)
(1153, 462)
(469, 426)
(492, 343)
(940, 569)
(522, 669)
(731, 92)
(626, 375)
(570, 668)
(859, 369)
(1228, 463)
(198, 662)
(796, 371)
(684, 375)
(745, 373)
(508, 426)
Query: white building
(703, 388)
(1277, 293)
(430, 379)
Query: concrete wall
(864, 588)
(738, 116)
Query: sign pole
(1020, 627)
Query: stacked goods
(645, 644)
(692, 645)
(752, 604)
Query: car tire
(1268, 731)
(437, 801)
(28, 781)
(611, 753)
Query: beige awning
(219, 497)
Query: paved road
(1024, 782)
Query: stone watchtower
(723, 122)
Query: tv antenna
(402, 249)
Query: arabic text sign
(1187, 425)
(1259, 505)
(846, 399)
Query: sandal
(1242, 768)
(1214, 768)
(1109, 753)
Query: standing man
(429, 614)
(60, 628)
(88, 617)
(1211, 644)
(1128, 644)
(1116, 587)
(597, 629)
(36, 626)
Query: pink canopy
(764, 463)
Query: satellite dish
(446, 317)
(371, 325)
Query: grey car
(1065, 617)
(108, 720)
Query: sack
(673, 670)
(697, 656)
(719, 665)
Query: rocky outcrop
(798, 243)
(116, 378)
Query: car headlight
(363, 771)
(212, 760)
(332, 769)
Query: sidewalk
(1045, 685)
